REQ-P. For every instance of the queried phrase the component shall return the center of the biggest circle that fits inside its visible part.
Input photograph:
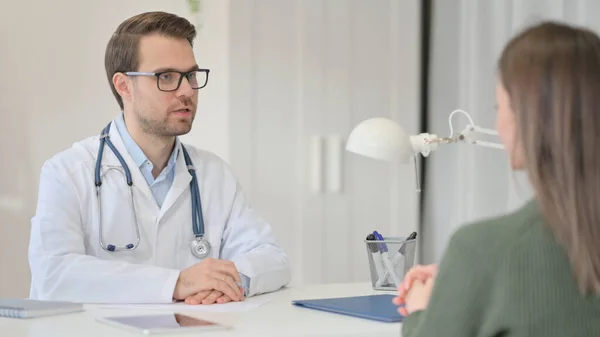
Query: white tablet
(162, 323)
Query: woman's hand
(418, 295)
(417, 273)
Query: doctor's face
(158, 112)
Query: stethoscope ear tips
(129, 246)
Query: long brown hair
(551, 73)
(122, 49)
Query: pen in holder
(390, 258)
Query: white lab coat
(67, 262)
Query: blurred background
(289, 80)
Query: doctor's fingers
(213, 297)
(227, 286)
(197, 298)
(223, 299)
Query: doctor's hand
(208, 297)
(209, 275)
(417, 273)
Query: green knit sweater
(506, 277)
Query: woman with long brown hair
(535, 272)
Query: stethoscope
(199, 246)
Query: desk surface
(276, 318)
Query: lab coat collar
(181, 183)
(132, 147)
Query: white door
(302, 74)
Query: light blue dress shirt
(161, 185)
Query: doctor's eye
(168, 77)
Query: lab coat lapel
(181, 183)
(110, 159)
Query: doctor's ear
(123, 85)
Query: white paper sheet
(248, 304)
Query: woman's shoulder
(495, 235)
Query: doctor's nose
(185, 88)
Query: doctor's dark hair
(122, 48)
(551, 73)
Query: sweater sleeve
(459, 295)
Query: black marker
(412, 236)
(373, 245)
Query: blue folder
(374, 307)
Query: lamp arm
(425, 143)
(467, 136)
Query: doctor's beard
(174, 123)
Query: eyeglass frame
(182, 74)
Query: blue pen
(387, 262)
(382, 246)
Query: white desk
(277, 318)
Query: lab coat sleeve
(249, 242)
(60, 268)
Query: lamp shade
(380, 138)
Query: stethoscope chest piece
(200, 247)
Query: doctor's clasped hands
(208, 282)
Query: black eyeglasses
(171, 80)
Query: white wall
(313, 69)
(54, 92)
(212, 48)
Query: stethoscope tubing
(197, 217)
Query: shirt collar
(139, 157)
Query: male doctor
(92, 242)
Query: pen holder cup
(392, 254)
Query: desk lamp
(383, 139)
